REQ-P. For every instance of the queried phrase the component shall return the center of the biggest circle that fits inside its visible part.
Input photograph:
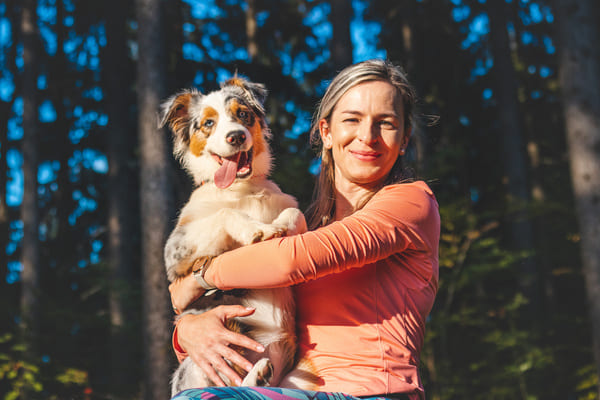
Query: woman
(366, 274)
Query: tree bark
(4, 224)
(520, 232)
(30, 276)
(410, 16)
(579, 63)
(252, 45)
(122, 210)
(341, 41)
(155, 202)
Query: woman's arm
(397, 218)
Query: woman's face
(366, 134)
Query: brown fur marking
(208, 113)
(252, 122)
(178, 116)
(235, 81)
(197, 145)
(260, 144)
(235, 107)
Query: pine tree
(580, 79)
(155, 201)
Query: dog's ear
(175, 112)
(255, 93)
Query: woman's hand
(206, 340)
(183, 292)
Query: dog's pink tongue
(225, 175)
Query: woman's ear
(325, 134)
(405, 140)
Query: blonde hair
(322, 210)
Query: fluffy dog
(221, 140)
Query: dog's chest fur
(263, 201)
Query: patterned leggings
(266, 393)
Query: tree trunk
(520, 232)
(155, 203)
(122, 209)
(30, 276)
(4, 225)
(579, 64)
(341, 41)
(412, 43)
(252, 45)
(57, 82)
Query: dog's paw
(260, 374)
(293, 220)
(269, 233)
(266, 232)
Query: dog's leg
(260, 374)
(226, 229)
(293, 220)
(246, 230)
(178, 254)
(281, 354)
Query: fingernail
(260, 348)
(250, 308)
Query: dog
(221, 139)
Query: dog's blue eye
(208, 123)
(242, 114)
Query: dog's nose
(236, 138)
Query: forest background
(507, 135)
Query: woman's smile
(365, 155)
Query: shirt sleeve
(398, 218)
(180, 353)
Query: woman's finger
(210, 372)
(236, 358)
(220, 365)
(234, 338)
(237, 339)
(232, 311)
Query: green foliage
(21, 376)
(17, 376)
(588, 384)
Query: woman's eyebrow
(384, 115)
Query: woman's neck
(350, 198)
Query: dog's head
(220, 136)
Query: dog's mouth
(238, 165)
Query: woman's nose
(368, 133)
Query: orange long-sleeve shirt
(365, 286)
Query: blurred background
(508, 117)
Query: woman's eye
(208, 123)
(386, 124)
(351, 120)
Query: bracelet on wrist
(199, 270)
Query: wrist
(199, 271)
(181, 332)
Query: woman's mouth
(365, 155)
